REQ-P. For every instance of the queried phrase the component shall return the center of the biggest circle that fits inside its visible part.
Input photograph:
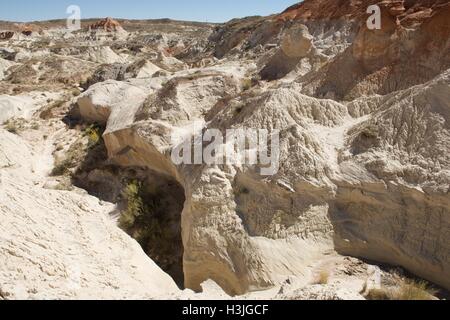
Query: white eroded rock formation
(362, 172)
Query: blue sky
(194, 10)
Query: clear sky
(193, 10)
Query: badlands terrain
(92, 206)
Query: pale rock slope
(4, 66)
(23, 106)
(64, 245)
(102, 55)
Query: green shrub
(246, 84)
(138, 219)
(76, 92)
(94, 134)
(70, 161)
(135, 205)
(151, 216)
(61, 168)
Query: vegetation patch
(152, 216)
(15, 126)
(94, 134)
(11, 127)
(70, 161)
(48, 112)
(322, 277)
(78, 152)
(406, 290)
(246, 84)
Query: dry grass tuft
(246, 84)
(406, 290)
(12, 127)
(323, 277)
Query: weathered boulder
(297, 42)
(105, 98)
(107, 24)
(104, 55)
(4, 66)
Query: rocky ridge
(107, 24)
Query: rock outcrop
(102, 55)
(103, 99)
(322, 197)
(108, 24)
(408, 12)
(105, 29)
(393, 58)
(297, 42)
(4, 66)
(314, 177)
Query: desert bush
(414, 290)
(322, 277)
(16, 125)
(135, 205)
(61, 168)
(246, 84)
(47, 113)
(406, 290)
(152, 217)
(76, 92)
(70, 161)
(238, 109)
(94, 134)
(64, 185)
(12, 127)
(379, 294)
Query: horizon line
(139, 19)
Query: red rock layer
(408, 12)
(107, 24)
